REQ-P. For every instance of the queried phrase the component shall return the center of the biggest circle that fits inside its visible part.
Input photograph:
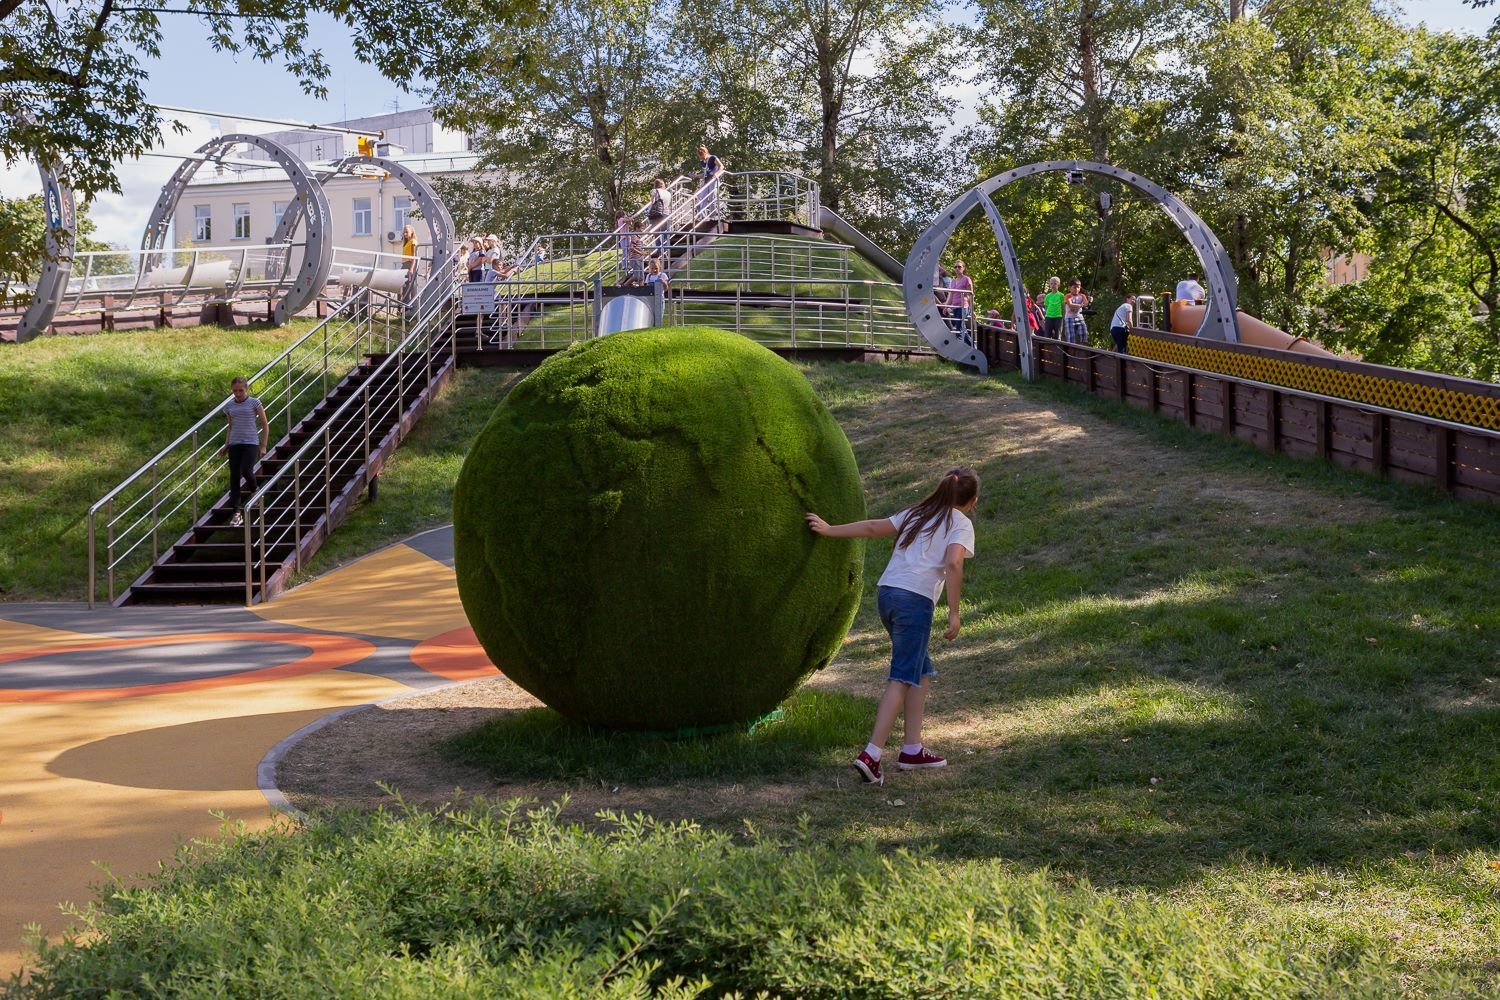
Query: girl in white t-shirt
(933, 538)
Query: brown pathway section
(124, 731)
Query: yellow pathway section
(116, 746)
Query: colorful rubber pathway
(125, 731)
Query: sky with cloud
(190, 74)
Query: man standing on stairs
(244, 443)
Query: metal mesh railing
(824, 313)
(770, 196)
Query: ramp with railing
(131, 289)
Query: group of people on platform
(1060, 314)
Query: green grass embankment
(78, 414)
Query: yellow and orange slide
(1187, 315)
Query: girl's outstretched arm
(880, 527)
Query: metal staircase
(345, 394)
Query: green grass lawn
(1238, 691)
(1239, 684)
(80, 413)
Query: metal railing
(825, 313)
(771, 196)
(168, 277)
(326, 465)
(166, 495)
(122, 280)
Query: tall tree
(575, 139)
(1083, 79)
(72, 76)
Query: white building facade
(229, 206)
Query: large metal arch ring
(317, 256)
(1220, 319)
(57, 267)
(434, 211)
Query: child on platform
(933, 538)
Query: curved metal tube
(1220, 320)
(309, 205)
(62, 218)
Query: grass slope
(1242, 688)
(80, 413)
(1238, 683)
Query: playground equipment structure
(740, 255)
(286, 274)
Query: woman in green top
(1054, 308)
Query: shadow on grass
(815, 729)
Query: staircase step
(188, 593)
(200, 572)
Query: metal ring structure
(309, 205)
(52, 284)
(434, 212)
(1220, 319)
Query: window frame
(366, 214)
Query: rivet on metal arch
(1220, 319)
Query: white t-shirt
(921, 567)
(1189, 290)
(1121, 317)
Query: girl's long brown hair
(957, 487)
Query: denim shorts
(908, 619)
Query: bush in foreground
(489, 902)
(629, 538)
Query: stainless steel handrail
(281, 385)
(439, 318)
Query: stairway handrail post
(109, 547)
(249, 555)
(297, 522)
(92, 561)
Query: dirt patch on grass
(400, 745)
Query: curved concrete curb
(265, 771)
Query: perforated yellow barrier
(1413, 397)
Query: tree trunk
(1097, 134)
(829, 105)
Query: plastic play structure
(1187, 317)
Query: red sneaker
(868, 768)
(920, 759)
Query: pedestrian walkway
(125, 731)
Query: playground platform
(126, 731)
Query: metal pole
(91, 560)
(109, 546)
(297, 522)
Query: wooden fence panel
(1409, 447)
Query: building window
(278, 209)
(242, 221)
(203, 223)
(361, 217)
(401, 208)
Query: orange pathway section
(124, 731)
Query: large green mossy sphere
(629, 531)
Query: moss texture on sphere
(630, 543)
